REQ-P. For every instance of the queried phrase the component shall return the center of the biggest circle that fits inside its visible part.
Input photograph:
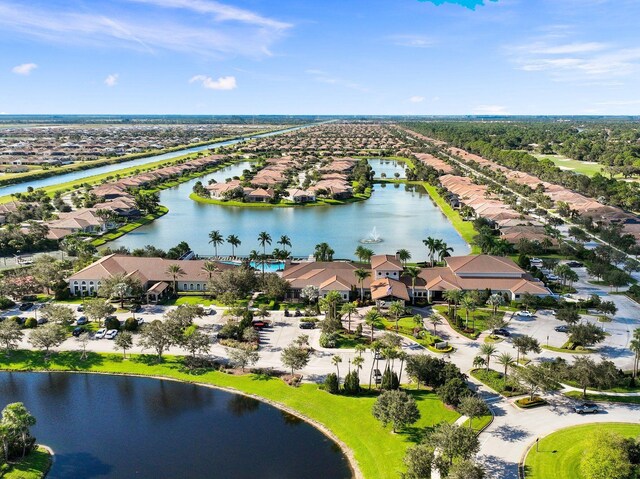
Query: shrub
(352, 383)
(452, 391)
(131, 324)
(331, 383)
(359, 329)
(112, 323)
(327, 340)
(6, 303)
(390, 380)
(30, 323)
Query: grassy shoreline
(377, 452)
(35, 465)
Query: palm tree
(435, 321)
(336, 360)
(175, 271)
(234, 241)
(453, 297)
(418, 320)
(364, 254)
(360, 348)
(431, 244)
(404, 255)
(488, 351)
(402, 356)
(495, 301)
(371, 318)
(264, 239)
(506, 360)
(375, 350)
(348, 309)
(323, 252)
(478, 362)
(397, 309)
(215, 238)
(210, 267)
(284, 241)
(361, 275)
(469, 306)
(412, 272)
(634, 346)
(358, 362)
(444, 251)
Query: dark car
(501, 332)
(562, 329)
(260, 325)
(297, 313)
(286, 313)
(586, 408)
(574, 264)
(135, 308)
(25, 306)
(82, 320)
(307, 325)
(78, 331)
(80, 309)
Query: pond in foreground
(116, 426)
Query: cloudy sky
(320, 57)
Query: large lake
(402, 216)
(114, 426)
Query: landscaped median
(603, 397)
(377, 451)
(34, 466)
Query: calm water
(110, 426)
(78, 175)
(402, 217)
(388, 167)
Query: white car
(100, 333)
(111, 334)
(525, 313)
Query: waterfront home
(300, 196)
(151, 272)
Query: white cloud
(112, 80)
(222, 83)
(567, 49)
(490, 110)
(225, 31)
(413, 41)
(416, 99)
(24, 69)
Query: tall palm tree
(284, 241)
(358, 362)
(435, 321)
(361, 275)
(431, 244)
(264, 239)
(402, 356)
(175, 271)
(375, 346)
(397, 309)
(444, 251)
(323, 252)
(404, 255)
(234, 241)
(412, 272)
(495, 301)
(453, 297)
(506, 361)
(348, 309)
(364, 254)
(371, 318)
(215, 238)
(255, 257)
(360, 348)
(469, 305)
(336, 360)
(488, 351)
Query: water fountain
(373, 237)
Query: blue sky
(320, 57)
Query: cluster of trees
(609, 454)
(15, 436)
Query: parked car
(111, 334)
(80, 309)
(100, 333)
(525, 314)
(260, 325)
(42, 320)
(574, 264)
(140, 321)
(286, 313)
(82, 320)
(78, 331)
(135, 308)
(307, 325)
(377, 355)
(298, 313)
(586, 408)
(501, 332)
(211, 311)
(25, 306)
(562, 329)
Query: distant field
(582, 167)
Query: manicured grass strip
(464, 228)
(495, 380)
(34, 466)
(479, 424)
(281, 204)
(377, 450)
(604, 397)
(559, 454)
(161, 211)
(568, 351)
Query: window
(198, 286)
(191, 286)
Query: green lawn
(559, 454)
(405, 328)
(34, 466)
(477, 320)
(377, 450)
(281, 204)
(582, 167)
(495, 380)
(127, 228)
(604, 397)
(568, 351)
